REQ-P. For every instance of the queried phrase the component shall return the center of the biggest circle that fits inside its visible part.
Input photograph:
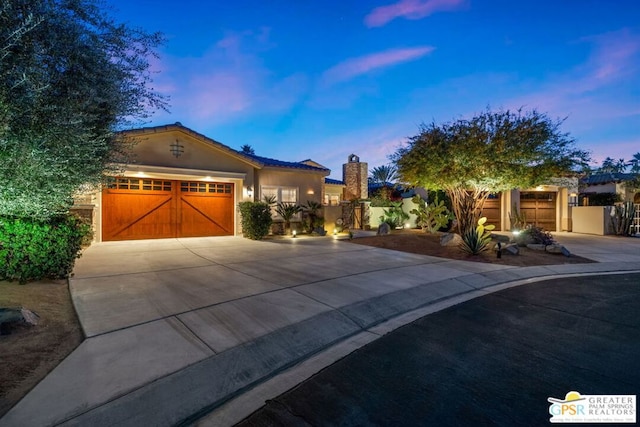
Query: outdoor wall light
(176, 149)
(249, 191)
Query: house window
(331, 199)
(281, 195)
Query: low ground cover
(29, 353)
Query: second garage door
(153, 209)
(539, 208)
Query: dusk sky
(324, 79)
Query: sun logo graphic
(580, 408)
(570, 406)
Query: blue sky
(324, 79)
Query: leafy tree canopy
(491, 152)
(70, 77)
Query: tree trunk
(467, 206)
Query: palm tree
(287, 211)
(635, 163)
(312, 208)
(610, 165)
(247, 149)
(385, 175)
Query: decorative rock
(512, 249)
(536, 246)
(14, 316)
(383, 229)
(554, 249)
(450, 239)
(500, 238)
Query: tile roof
(266, 161)
(333, 181)
(605, 178)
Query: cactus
(431, 217)
(622, 218)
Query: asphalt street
(493, 360)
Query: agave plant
(475, 241)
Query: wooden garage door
(153, 209)
(539, 208)
(492, 211)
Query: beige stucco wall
(331, 214)
(308, 183)
(155, 149)
(333, 189)
(591, 219)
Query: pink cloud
(615, 56)
(409, 9)
(354, 67)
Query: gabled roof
(256, 161)
(606, 178)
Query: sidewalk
(176, 328)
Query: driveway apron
(177, 327)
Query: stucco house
(611, 182)
(181, 183)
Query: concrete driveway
(175, 328)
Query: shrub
(533, 234)
(395, 216)
(34, 250)
(256, 219)
(477, 240)
(603, 199)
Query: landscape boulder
(12, 317)
(450, 239)
(383, 229)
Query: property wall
(591, 219)
(376, 212)
(331, 215)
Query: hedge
(34, 250)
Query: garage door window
(140, 184)
(205, 187)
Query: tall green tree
(491, 152)
(70, 78)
